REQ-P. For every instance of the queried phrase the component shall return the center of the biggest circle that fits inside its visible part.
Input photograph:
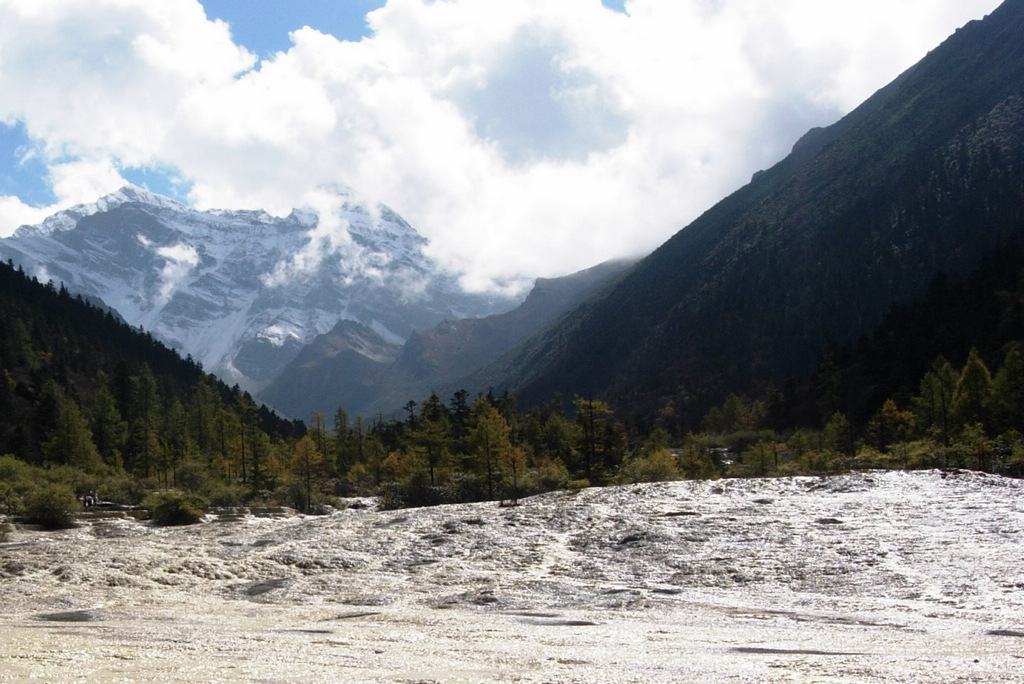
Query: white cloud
(83, 180)
(15, 213)
(328, 237)
(520, 136)
(179, 261)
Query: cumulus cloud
(520, 136)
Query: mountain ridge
(922, 177)
(243, 291)
(431, 360)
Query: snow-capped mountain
(243, 291)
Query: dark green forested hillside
(89, 405)
(106, 407)
(981, 314)
(927, 176)
(56, 348)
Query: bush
(551, 475)
(577, 485)
(465, 488)
(225, 495)
(290, 492)
(175, 508)
(360, 480)
(122, 489)
(13, 469)
(11, 502)
(53, 506)
(390, 496)
(658, 466)
(75, 478)
(191, 477)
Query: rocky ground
(867, 577)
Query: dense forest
(89, 405)
(924, 177)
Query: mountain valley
(243, 292)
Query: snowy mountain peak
(133, 193)
(244, 291)
(67, 219)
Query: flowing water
(867, 577)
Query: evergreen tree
(837, 436)
(71, 441)
(890, 425)
(178, 441)
(143, 449)
(934, 402)
(109, 429)
(460, 414)
(47, 414)
(431, 435)
(590, 414)
(309, 470)
(1008, 386)
(490, 440)
(972, 397)
(343, 452)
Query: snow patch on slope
(218, 284)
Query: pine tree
(934, 402)
(71, 440)
(1008, 385)
(490, 441)
(307, 467)
(109, 429)
(431, 435)
(590, 413)
(972, 397)
(890, 425)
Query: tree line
(88, 404)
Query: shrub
(577, 485)
(175, 508)
(75, 478)
(290, 492)
(11, 502)
(551, 475)
(389, 496)
(122, 489)
(465, 488)
(53, 506)
(360, 480)
(191, 477)
(220, 494)
(658, 466)
(13, 470)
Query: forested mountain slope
(925, 177)
(243, 292)
(80, 387)
(353, 368)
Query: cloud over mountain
(521, 137)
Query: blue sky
(523, 138)
(263, 25)
(22, 174)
